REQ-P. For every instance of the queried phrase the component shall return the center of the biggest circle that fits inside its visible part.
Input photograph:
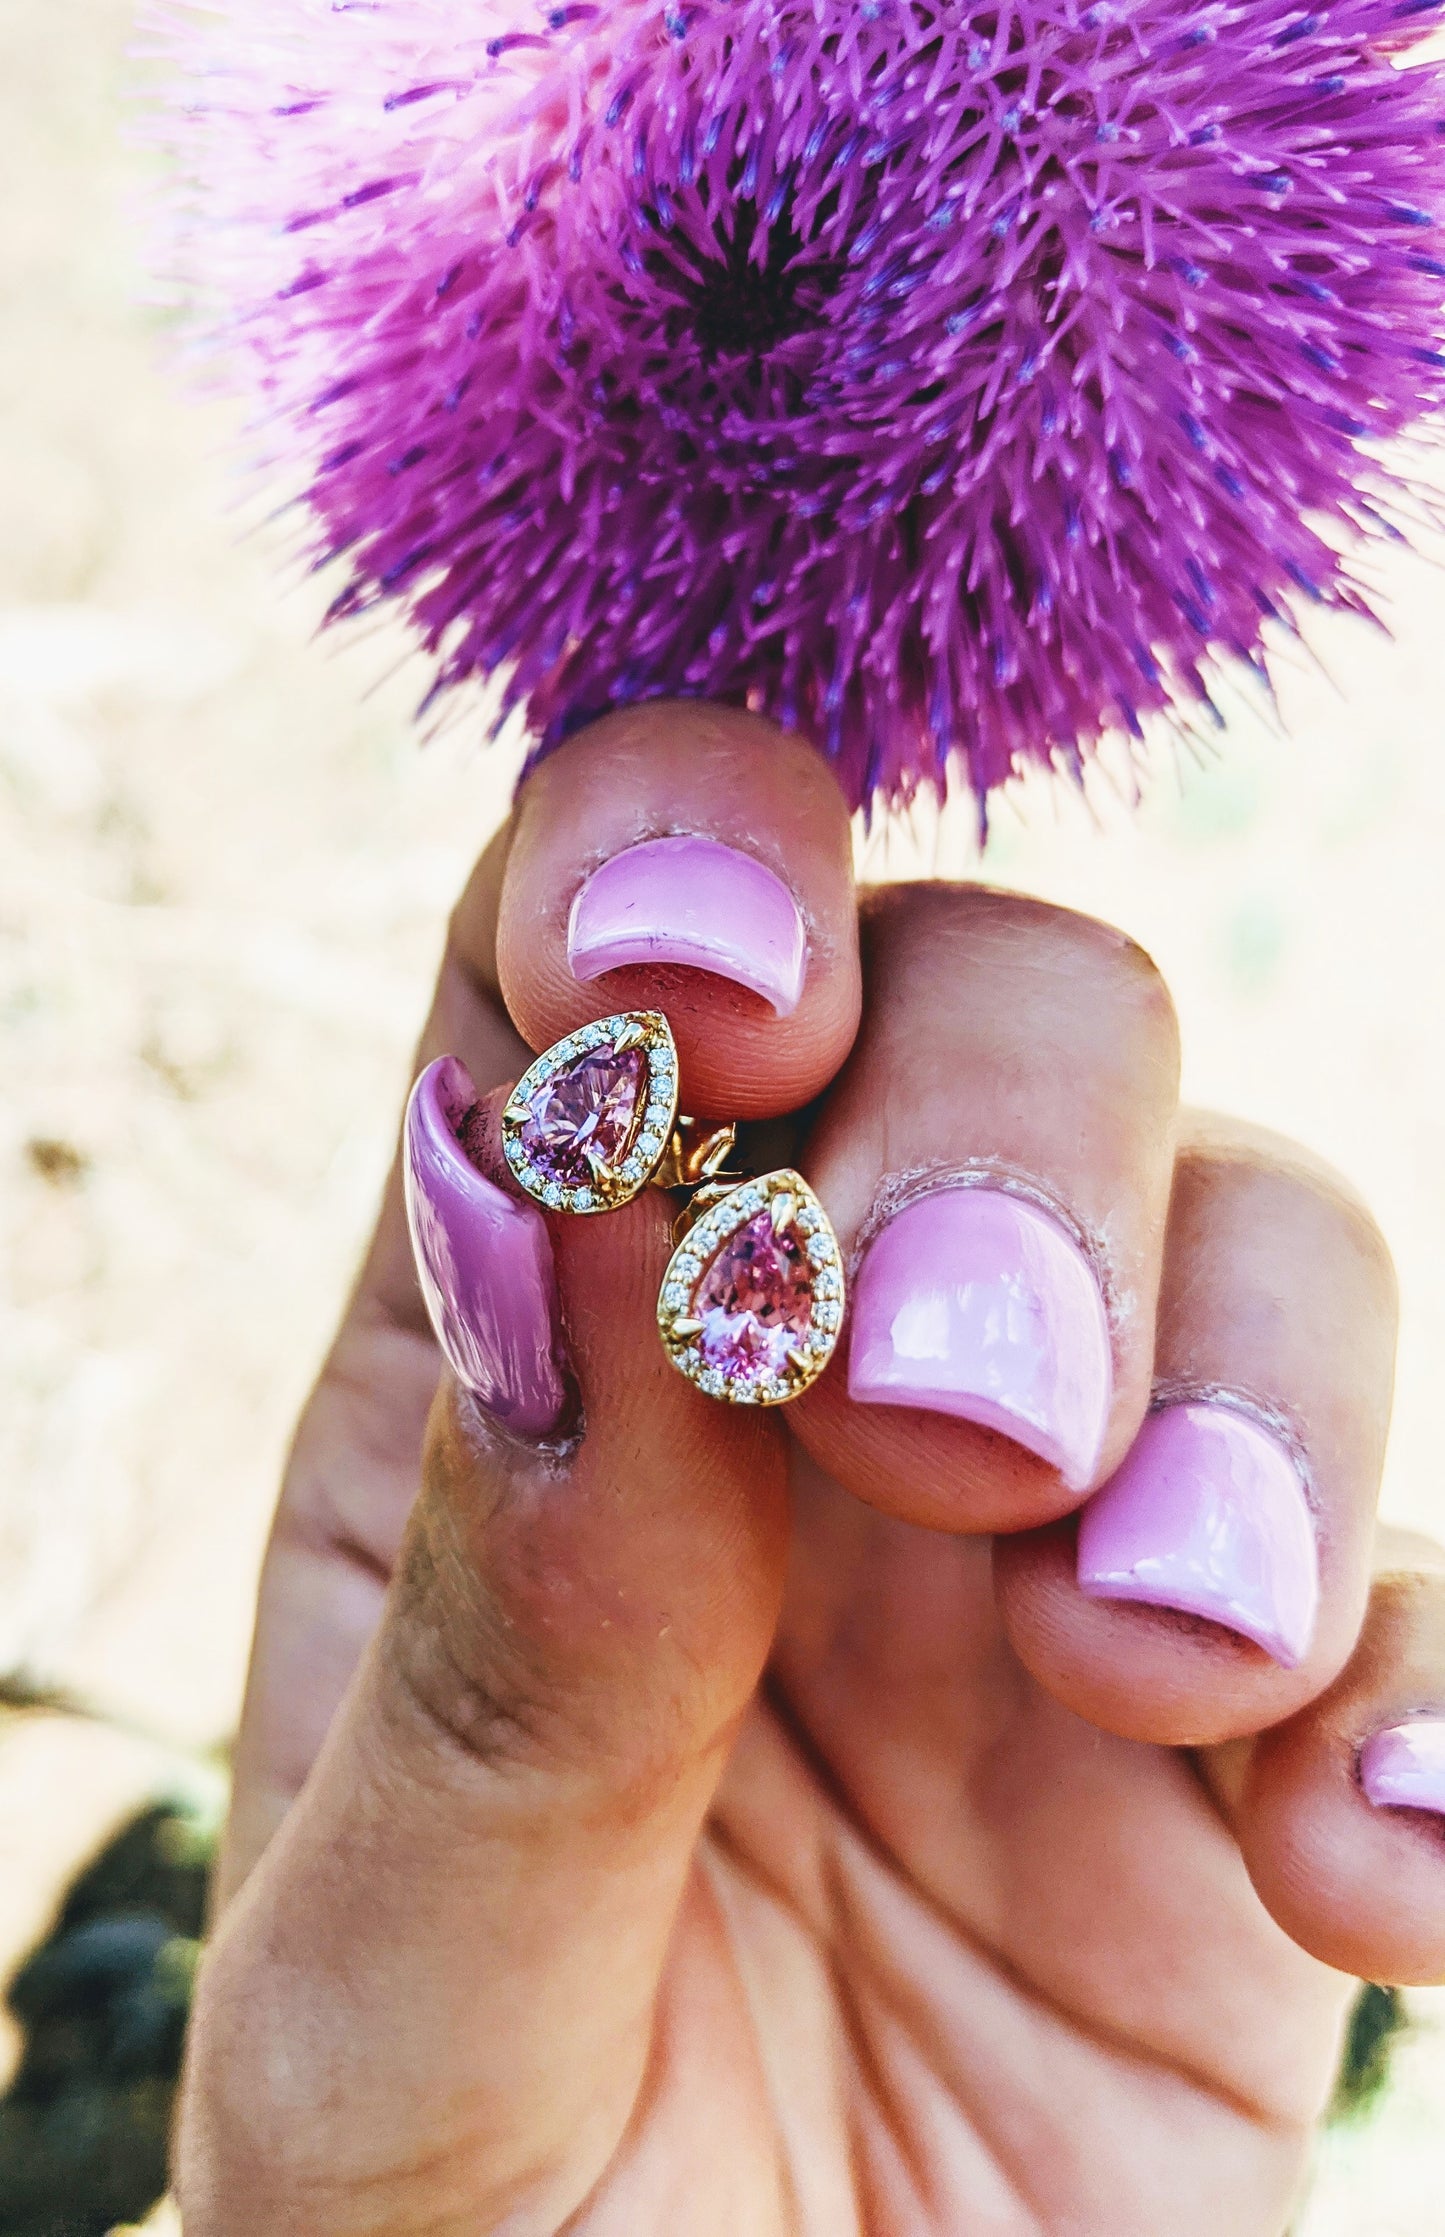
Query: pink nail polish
(1208, 1514)
(693, 901)
(484, 1262)
(1403, 1767)
(974, 1302)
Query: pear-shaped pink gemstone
(580, 1121)
(755, 1301)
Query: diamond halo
(568, 1136)
(752, 1301)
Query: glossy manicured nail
(1208, 1515)
(1403, 1767)
(484, 1262)
(694, 901)
(974, 1302)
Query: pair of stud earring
(752, 1300)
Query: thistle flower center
(739, 304)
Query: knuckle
(1403, 1552)
(458, 1671)
(512, 1653)
(1407, 1611)
(267, 2142)
(1231, 1174)
(246, 2100)
(984, 927)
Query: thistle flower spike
(953, 384)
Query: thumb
(433, 2005)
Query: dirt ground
(224, 868)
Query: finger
(465, 1917)
(467, 1019)
(1340, 1812)
(354, 1466)
(996, 1159)
(695, 860)
(1218, 1582)
(770, 826)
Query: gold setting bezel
(652, 1132)
(696, 1252)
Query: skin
(740, 1823)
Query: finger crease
(1097, 2033)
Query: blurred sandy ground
(224, 867)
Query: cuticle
(555, 1450)
(559, 1449)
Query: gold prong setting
(613, 1180)
(782, 1210)
(775, 1359)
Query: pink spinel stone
(755, 1301)
(579, 1122)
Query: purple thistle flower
(953, 382)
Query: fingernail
(974, 1302)
(1208, 1515)
(694, 901)
(484, 1262)
(1403, 1767)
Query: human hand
(681, 1819)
